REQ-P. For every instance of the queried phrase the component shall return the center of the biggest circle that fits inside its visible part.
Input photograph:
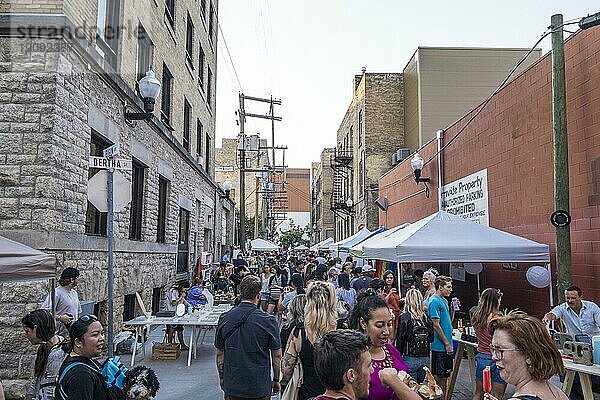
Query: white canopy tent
(19, 262)
(445, 238)
(344, 245)
(323, 245)
(300, 247)
(263, 245)
(357, 249)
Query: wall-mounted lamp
(149, 88)
(227, 185)
(417, 166)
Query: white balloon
(473, 268)
(538, 276)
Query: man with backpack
(80, 376)
(248, 347)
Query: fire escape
(341, 198)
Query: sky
(306, 53)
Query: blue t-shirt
(438, 308)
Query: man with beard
(343, 364)
(66, 301)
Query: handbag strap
(239, 324)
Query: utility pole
(242, 150)
(257, 182)
(561, 155)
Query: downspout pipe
(440, 152)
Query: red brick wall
(512, 138)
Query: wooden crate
(165, 351)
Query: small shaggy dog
(140, 383)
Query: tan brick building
(321, 185)
(68, 71)
(371, 129)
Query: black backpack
(418, 345)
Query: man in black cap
(66, 301)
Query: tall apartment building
(321, 185)
(443, 83)
(69, 70)
(372, 127)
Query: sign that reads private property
(468, 197)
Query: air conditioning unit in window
(199, 159)
(394, 158)
(401, 154)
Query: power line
(229, 54)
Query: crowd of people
(311, 328)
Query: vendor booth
(323, 245)
(19, 262)
(263, 245)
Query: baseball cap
(69, 273)
(367, 268)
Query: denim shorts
(484, 360)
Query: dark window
(166, 88)
(201, 60)
(199, 133)
(209, 88)
(187, 111)
(203, 9)
(211, 19)
(145, 50)
(137, 201)
(95, 221)
(156, 297)
(360, 127)
(163, 204)
(206, 160)
(108, 23)
(189, 42)
(183, 243)
(170, 12)
(129, 307)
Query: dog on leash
(140, 383)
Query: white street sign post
(111, 164)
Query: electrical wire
(481, 107)
(229, 55)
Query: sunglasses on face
(88, 318)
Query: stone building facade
(372, 128)
(64, 86)
(321, 184)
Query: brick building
(372, 126)
(512, 140)
(321, 184)
(297, 199)
(68, 70)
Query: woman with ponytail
(40, 330)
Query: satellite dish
(538, 276)
(473, 268)
(180, 311)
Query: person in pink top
(372, 316)
(486, 312)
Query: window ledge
(189, 67)
(170, 29)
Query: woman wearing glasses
(83, 382)
(526, 357)
(487, 311)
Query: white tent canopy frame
(322, 245)
(357, 249)
(445, 238)
(263, 245)
(345, 244)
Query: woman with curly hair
(40, 330)
(320, 317)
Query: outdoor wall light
(417, 166)
(149, 88)
(349, 203)
(227, 185)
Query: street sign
(106, 163)
(98, 191)
(112, 151)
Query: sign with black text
(468, 197)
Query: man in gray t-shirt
(66, 301)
